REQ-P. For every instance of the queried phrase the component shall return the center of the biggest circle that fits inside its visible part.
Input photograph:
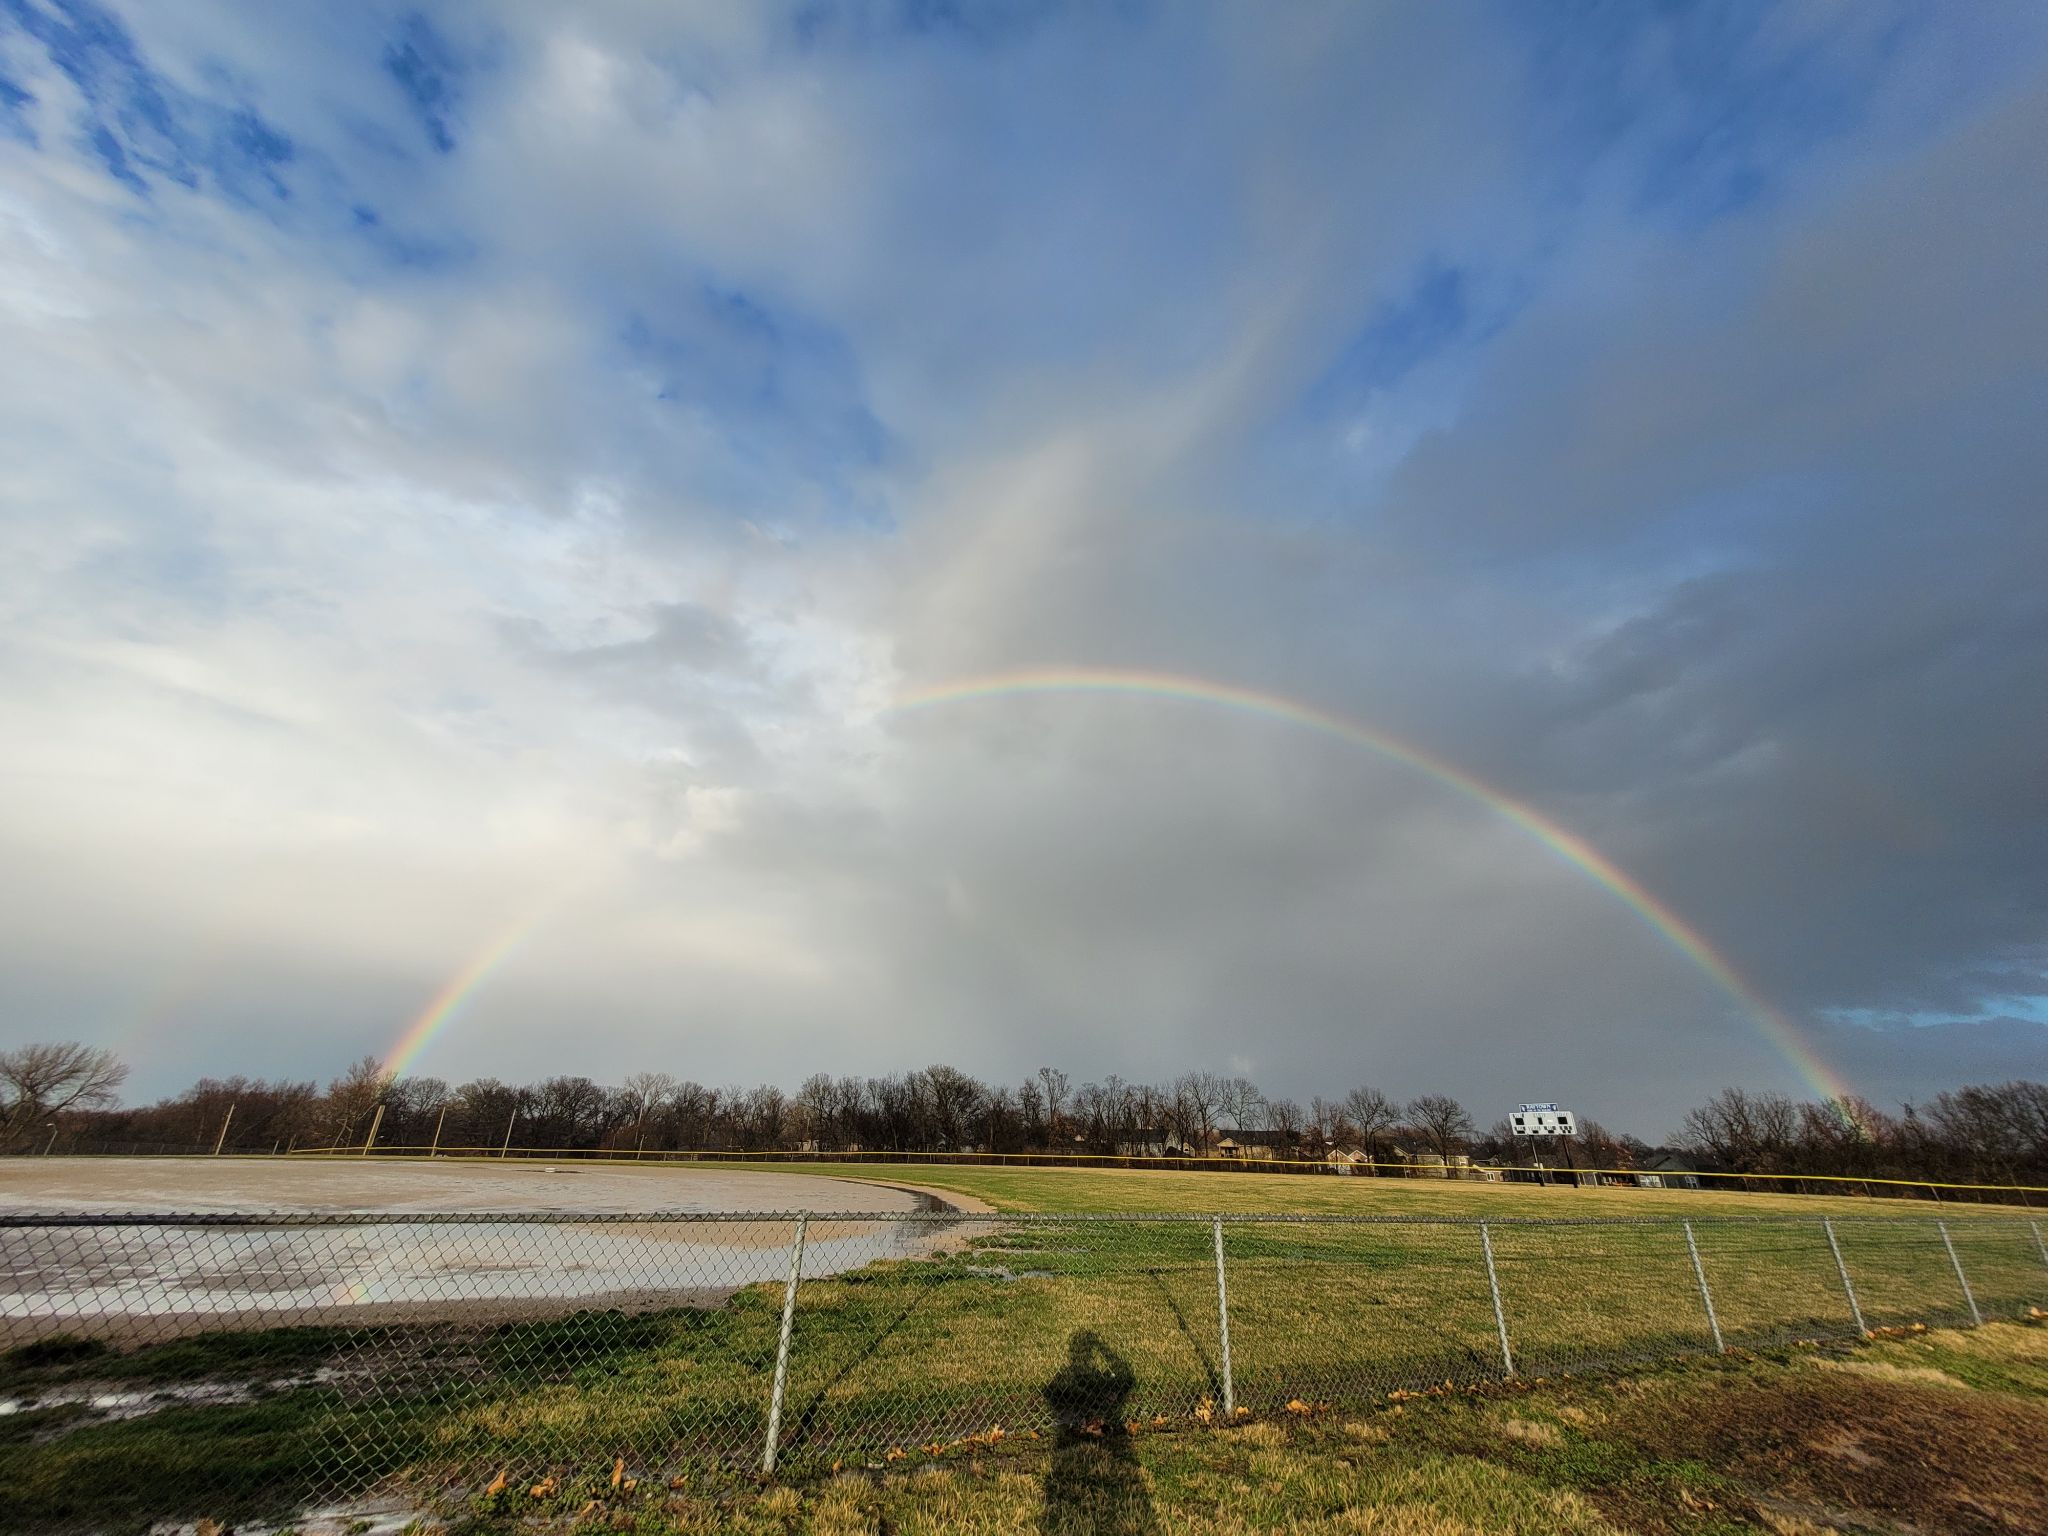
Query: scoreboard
(1543, 1120)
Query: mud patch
(1845, 1447)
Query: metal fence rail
(251, 1362)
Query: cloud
(458, 456)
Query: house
(1434, 1165)
(1665, 1170)
(1152, 1141)
(1257, 1146)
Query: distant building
(1256, 1146)
(1152, 1141)
(1434, 1165)
(1665, 1170)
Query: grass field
(1935, 1432)
(1940, 1432)
(1118, 1189)
(1032, 1326)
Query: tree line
(64, 1098)
(1987, 1133)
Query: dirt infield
(266, 1185)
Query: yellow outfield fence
(1615, 1178)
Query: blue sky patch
(430, 75)
(141, 126)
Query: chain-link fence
(238, 1365)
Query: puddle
(113, 1403)
(362, 1517)
(262, 1275)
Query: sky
(535, 496)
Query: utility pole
(435, 1150)
(509, 1123)
(51, 1142)
(222, 1139)
(370, 1140)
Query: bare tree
(1031, 1113)
(1374, 1114)
(646, 1092)
(41, 1082)
(353, 1096)
(1196, 1097)
(1240, 1099)
(1283, 1119)
(953, 1103)
(1326, 1121)
(1744, 1132)
(1442, 1119)
(1053, 1083)
(1999, 1128)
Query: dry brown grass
(1885, 1370)
(1836, 1443)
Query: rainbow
(1573, 849)
(456, 991)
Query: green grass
(1118, 1189)
(1935, 1432)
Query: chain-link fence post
(1223, 1323)
(1699, 1273)
(2038, 1241)
(1962, 1279)
(1500, 1316)
(796, 1267)
(1842, 1269)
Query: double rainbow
(1776, 1029)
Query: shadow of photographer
(1095, 1486)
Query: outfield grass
(1136, 1189)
